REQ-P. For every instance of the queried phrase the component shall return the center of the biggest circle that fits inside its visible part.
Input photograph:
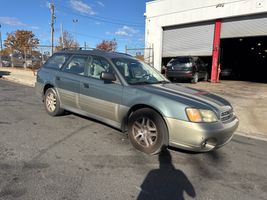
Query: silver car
(126, 93)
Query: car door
(97, 97)
(68, 80)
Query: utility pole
(52, 9)
(62, 36)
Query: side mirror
(107, 76)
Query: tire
(195, 78)
(147, 131)
(51, 103)
(206, 77)
(171, 79)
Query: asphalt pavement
(72, 157)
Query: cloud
(126, 31)
(11, 21)
(100, 3)
(34, 27)
(81, 7)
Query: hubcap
(51, 102)
(145, 132)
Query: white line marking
(256, 137)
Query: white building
(183, 28)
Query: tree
(66, 41)
(5, 52)
(107, 45)
(21, 41)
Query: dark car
(192, 68)
(6, 61)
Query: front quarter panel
(166, 107)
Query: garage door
(244, 26)
(194, 40)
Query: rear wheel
(206, 77)
(52, 104)
(147, 131)
(171, 79)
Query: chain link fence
(26, 58)
(144, 54)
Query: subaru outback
(128, 94)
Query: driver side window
(97, 66)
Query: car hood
(188, 96)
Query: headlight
(200, 115)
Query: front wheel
(195, 78)
(52, 104)
(147, 131)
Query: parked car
(6, 61)
(192, 68)
(227, 73)
(17, 60)
(128, 94)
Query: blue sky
(96, 20)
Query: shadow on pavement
(4, 73)
(166, 182)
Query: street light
(75, 21)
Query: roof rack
(94, 49)
(67, 49)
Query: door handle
(58, 78)
(85, 85)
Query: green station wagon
(126, 93)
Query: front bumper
(200, 137)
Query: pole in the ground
(52, 8)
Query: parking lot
(72, 157)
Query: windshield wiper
(161, 82)
(141, 83)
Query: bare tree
(67, 41)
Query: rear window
(180, 60)
(56, 61)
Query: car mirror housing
(107, 76)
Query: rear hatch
(180, 64)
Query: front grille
(227, 116)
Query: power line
(105, 20)
(93, 36)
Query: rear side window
(56, 61)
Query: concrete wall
(162, 13)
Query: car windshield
(136, 72)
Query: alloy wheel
(145, 132)
(50, 102)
